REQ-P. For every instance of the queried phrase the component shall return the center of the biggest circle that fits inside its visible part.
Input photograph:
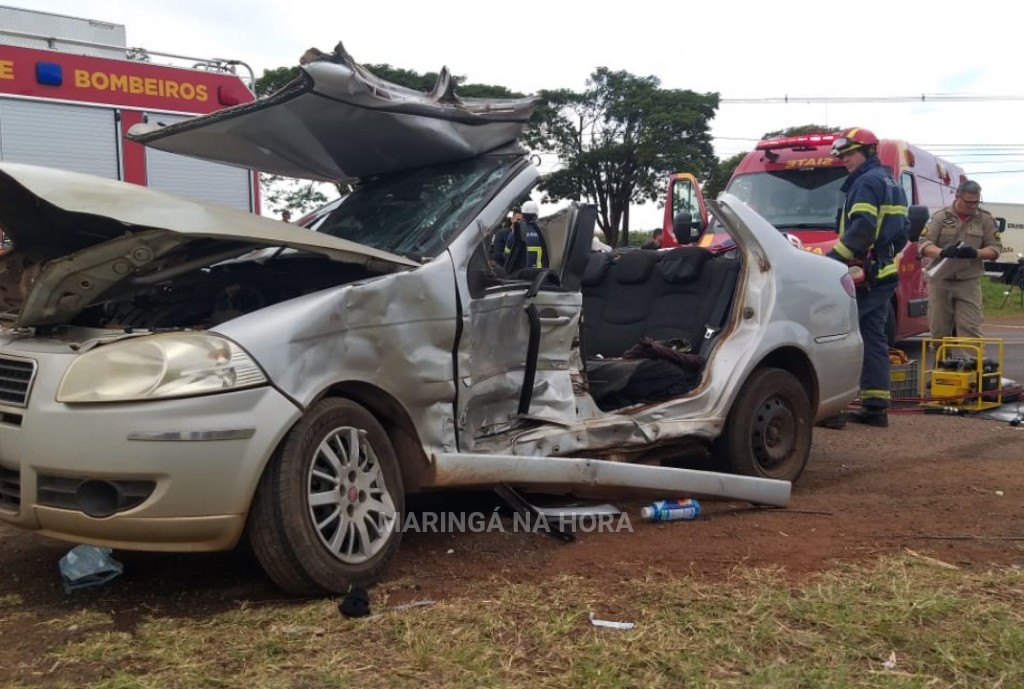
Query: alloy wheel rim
(351, 509)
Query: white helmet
(530, 208)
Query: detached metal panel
(61, 135)
(198, 179)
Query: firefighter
(525, 245)
(873, 227)
(966, 235)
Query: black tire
(768, 431)
(890, 325)
(353, 532)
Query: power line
(922, 98)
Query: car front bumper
(173, 475)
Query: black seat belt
(722, 301)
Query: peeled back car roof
(339, 122)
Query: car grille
(10, 489)
(16, 376)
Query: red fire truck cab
(65, 109)
(794, 183)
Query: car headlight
(159, 366)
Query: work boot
(836, 423)
(871, 417)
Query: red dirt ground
(946, 487)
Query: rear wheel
(328, 510)
(768, 431)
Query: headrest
(597, 268)
(635, 266)
(683, 264)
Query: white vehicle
(168, 387)
(1010, 221)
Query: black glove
(949, 252)
(967, 252)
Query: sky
(846, 61)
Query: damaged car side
(177, 375)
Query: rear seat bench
(661, 295)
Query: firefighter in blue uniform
(525, 246)
(873, 227)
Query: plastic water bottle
(671, 510)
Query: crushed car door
(518, 350)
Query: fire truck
(70, 88)
(793, 182)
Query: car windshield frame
(417, 213)
(813, 196)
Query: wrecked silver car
(176, 375)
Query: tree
(618, 140)
(800, 130)
(720, 176)
(274, 79)
(425, 82)
(722, 173)
(302, 195)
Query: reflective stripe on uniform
(843, 250)
(862, 207)
(875, 395)
(887, 270)
(886, 211)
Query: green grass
(994, 294)
(937, 625)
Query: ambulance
(70, 88)
(794, 183)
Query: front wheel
(768, 431)
(329, 508)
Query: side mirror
(918, 216)
(685, 228)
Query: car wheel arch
(796, 362)
(390, 413)
(767, 433)
(412, 460)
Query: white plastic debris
(890, 664)
(999, 493)
(85, 566)
(609, 625)
(414, 604)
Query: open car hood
(76, 237)
(337, 121)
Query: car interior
(649, 319)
